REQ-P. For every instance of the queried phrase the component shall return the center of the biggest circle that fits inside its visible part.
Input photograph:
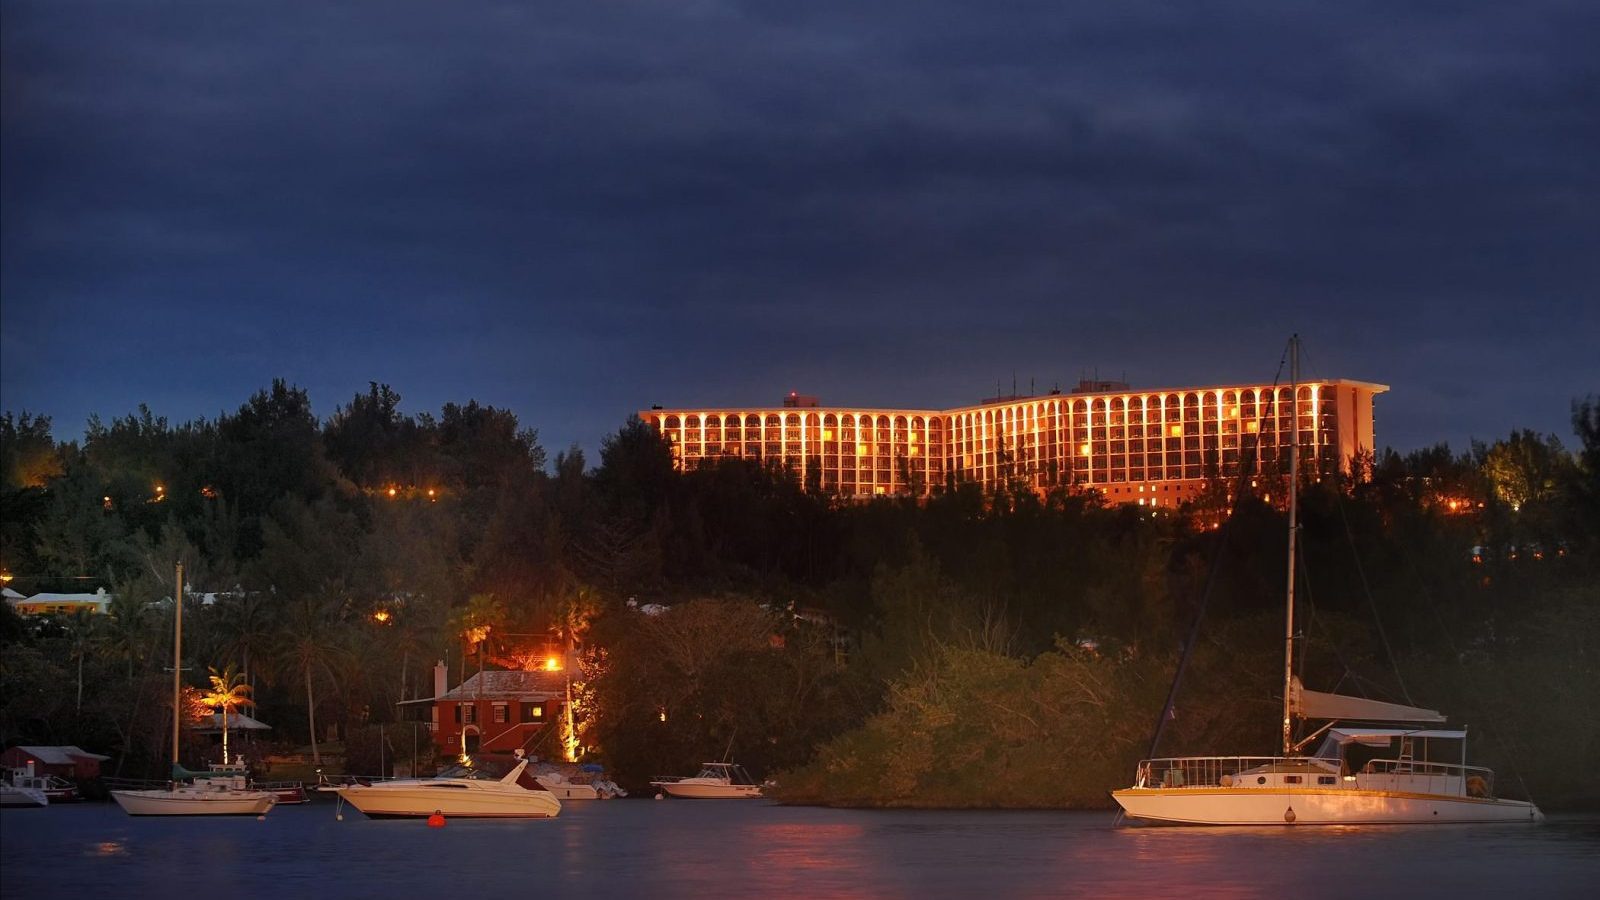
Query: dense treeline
(971, 649)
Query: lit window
(863, 449)
(532, 712)
(1083, 449)
(1252, 427)
(1175, 430)
(827, 434)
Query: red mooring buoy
(436, 820)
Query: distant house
(68, 761)
(496, 711)
(40, 604)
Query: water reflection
(714, 849)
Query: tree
(228, 692)
(81, 636)
(245, 628)
(28, 457)
(311, 646)
(1525, 468)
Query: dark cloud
(578, 209)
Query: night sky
(575, 210)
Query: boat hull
(566, 790)
(193, 803)
(386, 801)
(23, 797)
(710, 791)
(1231, 806)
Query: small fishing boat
(22, 788)
(485, 787)
(716, 781)
(21, 784)
(563, 789)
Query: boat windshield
(480, 769)
(732, 774)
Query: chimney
(441, 679)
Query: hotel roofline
(1372, 386)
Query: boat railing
(333, 782)
(1437, 777)
(1217, 771)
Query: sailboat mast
(1294, 490)
(177, 660)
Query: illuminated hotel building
(1158, 446)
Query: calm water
(716, 849)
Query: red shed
(68, 762)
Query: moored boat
(225, 790)
(1344, 782)
(480, 788)
(716, 781)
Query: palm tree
(228, 693)
(244, 623)
(81, 634)
(126, 631)
(477, 620)
(310, 645)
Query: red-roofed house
(497, 711)
(67, 762)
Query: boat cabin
(1429, 761)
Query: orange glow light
(552, 664)
(381, 616)
(1083, 449)
(1252, 427)
(392, 492)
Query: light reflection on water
(741, 848)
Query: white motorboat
(1411, 784)
(716, 781)
(483, 788)
(23, 788)
(224, 791)
(558, 785)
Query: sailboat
(224, 791)
(1378, 763)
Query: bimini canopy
(1377, 737)
(1318, 705)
